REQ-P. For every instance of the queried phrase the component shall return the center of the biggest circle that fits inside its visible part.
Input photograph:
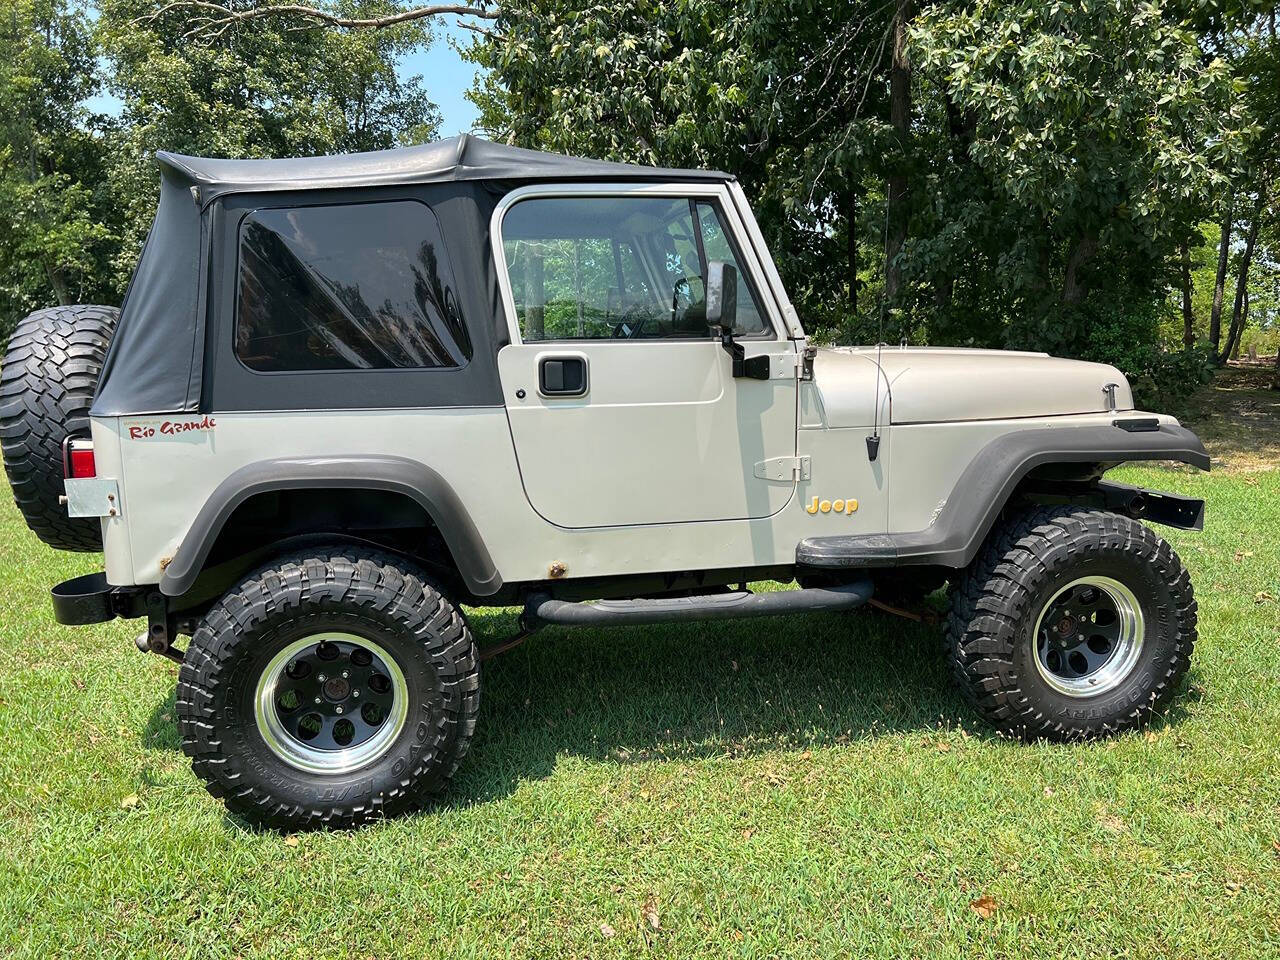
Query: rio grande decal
(170, 428)
(832, 506)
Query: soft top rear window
(361, 286)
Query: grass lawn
(800, 787)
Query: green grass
(803, 787)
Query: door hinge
(786, 469)
(804, 362)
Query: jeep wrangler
(347, 395)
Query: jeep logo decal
(827, 506)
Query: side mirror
(722, 296)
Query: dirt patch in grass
(1238, 417)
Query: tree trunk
(1244, 321)
(1220, 280)
(1238, 311)
(1275, 378)
(1188, 315)
(851, 244)
(1073, 288)
(535, 311)
(59, 284)
(900, 116)
(944, 289)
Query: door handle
(562, 376)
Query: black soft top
(459, 158)
(156, 362)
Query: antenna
(873, 441)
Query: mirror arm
(753, 368)
(734, 349)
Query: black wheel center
(336, 688)
(1080, 631)
(333, 695)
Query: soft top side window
(347, 287)
(618, 267)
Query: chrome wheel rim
(331, 703)
(1088, 637)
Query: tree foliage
(78, 190)
(53, 238)
(263, 88)
(1055, 156)
(1089, 137)
(991, 172)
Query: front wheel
(1071, 624)
(328, 690)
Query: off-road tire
(353, 590)
(47, 384)
(995, 604)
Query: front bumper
(90, 599)
(1170, 509)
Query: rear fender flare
(394, 474)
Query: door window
(625, 268)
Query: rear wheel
(50, 375)
(328, 690)
(1071, 624)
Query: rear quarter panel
(169, 468)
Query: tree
(1220, 279)
(1017, 146)
(1188, 312)
(1242, 34)
(1097, 134)
(898, 216)
(54, 223)
(250, 87)
(1239, 313)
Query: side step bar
(541, 608)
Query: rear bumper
(90, 599)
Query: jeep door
(624, 409)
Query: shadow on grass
(670, 693)
(724, 689)
(161, 731)
(729, 688)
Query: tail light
(77, 458)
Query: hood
(940, 385)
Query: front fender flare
(986, 484)
(395, 474)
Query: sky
(445, 75)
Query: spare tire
(47, 384)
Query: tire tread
(991, 600)
(47, 384)
(340, 577)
